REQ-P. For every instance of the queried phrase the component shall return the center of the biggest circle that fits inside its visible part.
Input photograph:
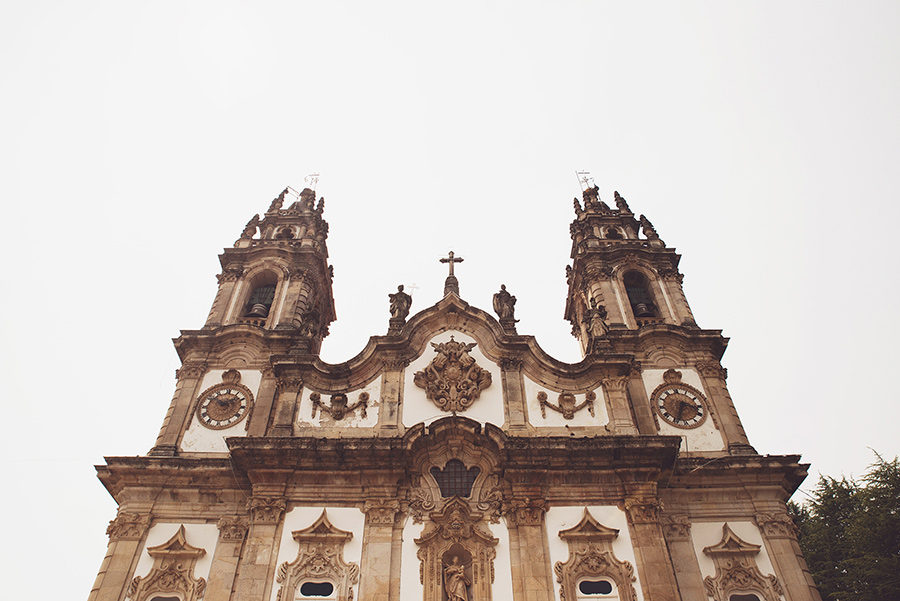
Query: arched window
(260, 301)
(638, 291)
(455, 480)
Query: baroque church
(279, 477)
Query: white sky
(136, 139)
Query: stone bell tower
(619, 279)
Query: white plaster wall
(350, 519)
(199, 438)
(351, 420)
(487, 408)
(204, 536)
(706, 534)
(502, 586)
(704, 438)
(562, 518)
(410, 586)
(555, 418)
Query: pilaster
(256, 569)
(188, 380)
(620, 413)
(713, 376)
(377, 555)
(232, 532)
(677, 532)
(391, 390)
(287, 397)
(654, 564)
(126, 533)
(780, 537)
(640, 402)
(514, 394)
(529, 550)
(265, 399)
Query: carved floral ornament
(339, 407)
(591, 557)
(736, 570)
(453, 381)
(567, 404)
(128, 526)
(266, 510)
(172, 571)
(320, 558)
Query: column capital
(266, 510)
(777, 525)
(233, 527)
(643, 510)
(128, 526)
(526, 512)
(381, 511)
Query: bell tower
(619, 279)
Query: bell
(642, 310)
(258, 310)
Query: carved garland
(172, 572)
(319, 558)
(591, 556)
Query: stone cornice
(783, 472)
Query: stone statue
(400, 303)
(596, 319)
(504, 304)
(455, 581)
(621, 204)
(250, 228)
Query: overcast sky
(762, 139)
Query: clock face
(223, 405)
(680, 405)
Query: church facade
(452, 459)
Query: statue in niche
(504, 304)
(456, 581)
(250, 228)
(400, 303)
(595, 317)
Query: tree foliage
(850, 534)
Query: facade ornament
(451, 284)
(419, 502)
(595, 320)
(278, 201)
(231, 273)
(570, 275)
(615, 383)
(381, 511)
(128, 526)
(491, 498)
(510, 363)
(251, 227)
(172, 572)
(320, 557)
(643, 510)
(591, 557)
(620, 203)
(578, 210)
(505, 308)
(777, 525)
(191, 369)
(650, 232)
(400, 304)
(676, 527)
(453, 380)
(288, 384)
(526, 512)
(266, 510)
(232, 528)
(737, 571)
(339, 407)
(712, 369)
(567, 404)
(670, 273)
(456, 555)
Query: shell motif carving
(453, 380)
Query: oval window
(316, 589)
(595, 587)
(750, 597)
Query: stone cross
(451, 284)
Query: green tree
(850, 534)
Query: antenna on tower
(585, 180)
(311, 180)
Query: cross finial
(451, 284)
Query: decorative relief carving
(526, 512)
(128, 526)
(283, 385)
(777, 525)
(266, 510)
(172, 572)
(456, 554)
(736, 570)
(615, 383)
(567, 404)
(339, 407)
(676, 527)
(511, 363)
(191, 369)
(591, 556)
(320, 557)
(232, 528)
(643, 510)
(381, 511)
(419, 502)
(711, 369)
(231, 273)
(491, 498)
(453, 380)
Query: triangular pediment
(177, 546)
(731, 544)
(321, 530)
(589, 529)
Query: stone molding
(233, 528)
(266, 510)
(128, 526)
(381, 511)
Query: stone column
(117, 570)
(188, 380)
(713, 376)
(780, 536)
(671, 280)
(265, 399)
(256, 569)
(514, 408)
(620, 417)
(654, 564)
(227, 282)
(232, 532)
(529, 551)
(287, 397)
(377, 556)
(677, 531)
(391, 388)
(640, 402)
